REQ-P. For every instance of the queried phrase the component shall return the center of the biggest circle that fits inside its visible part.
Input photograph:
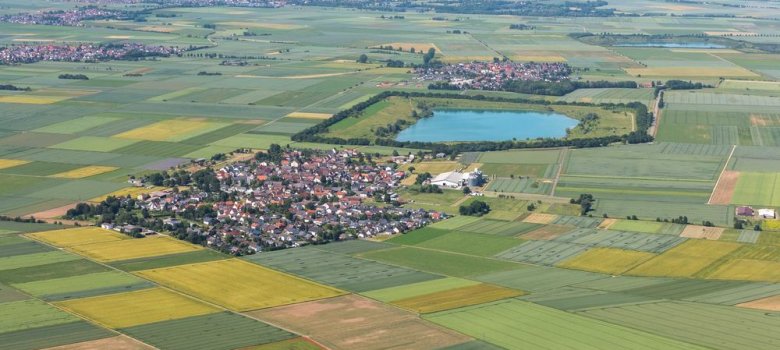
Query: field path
(720, 176)
(656, 115)
(561, 159)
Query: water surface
(487, 125)
(675, 45)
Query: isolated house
(745, 211)
(767, 213)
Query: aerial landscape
(367, 175)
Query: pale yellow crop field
(748, 270)
(607, 260)
(138, 307)
(32, 100)
(239, 285)
(10, 163)
(307, 115)
(85, 172)
(540, 218)
(134, 248)
(686, 259)
(78, 236)
(168, 130)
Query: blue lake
(676, 45)
(487, 125)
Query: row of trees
(73, 76)
(562, 87)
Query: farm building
(454, 179)
(745, 211)
(767, 213)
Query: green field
(695, 323)
(215, 331)
(545, 328)
(438, 262)
(339, 270)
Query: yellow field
(455, 298)
(748, 270)
(32, 100)
(540, 218)
(239, 285)
(432, 167)
(771, 225)
(685, 259)
(10, 163)
(130, 191)
(134, 248)
(136, 308)
(166, 130)
(78, 236)
(691, 72)
(85, 172)
(607, 260)
(305, 115)
(535, 58)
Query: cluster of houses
(64, 17)
(747, 211)
(82, 52)
(492, 75)
(299, 199)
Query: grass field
(137, 308)
(29, 314)
(757, 189)
(249, 286)
(133, 248)
(82, 285)
(471, 243)
(331, 322)
(545, 328)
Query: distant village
(72, 17)
(492, 75)
(83, 52)
(284, 199)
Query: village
(492, 75)
(83, 52)
(285, 200)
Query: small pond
(487, 125)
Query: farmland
(206, 280)
(660, 260)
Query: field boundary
(720, 176)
